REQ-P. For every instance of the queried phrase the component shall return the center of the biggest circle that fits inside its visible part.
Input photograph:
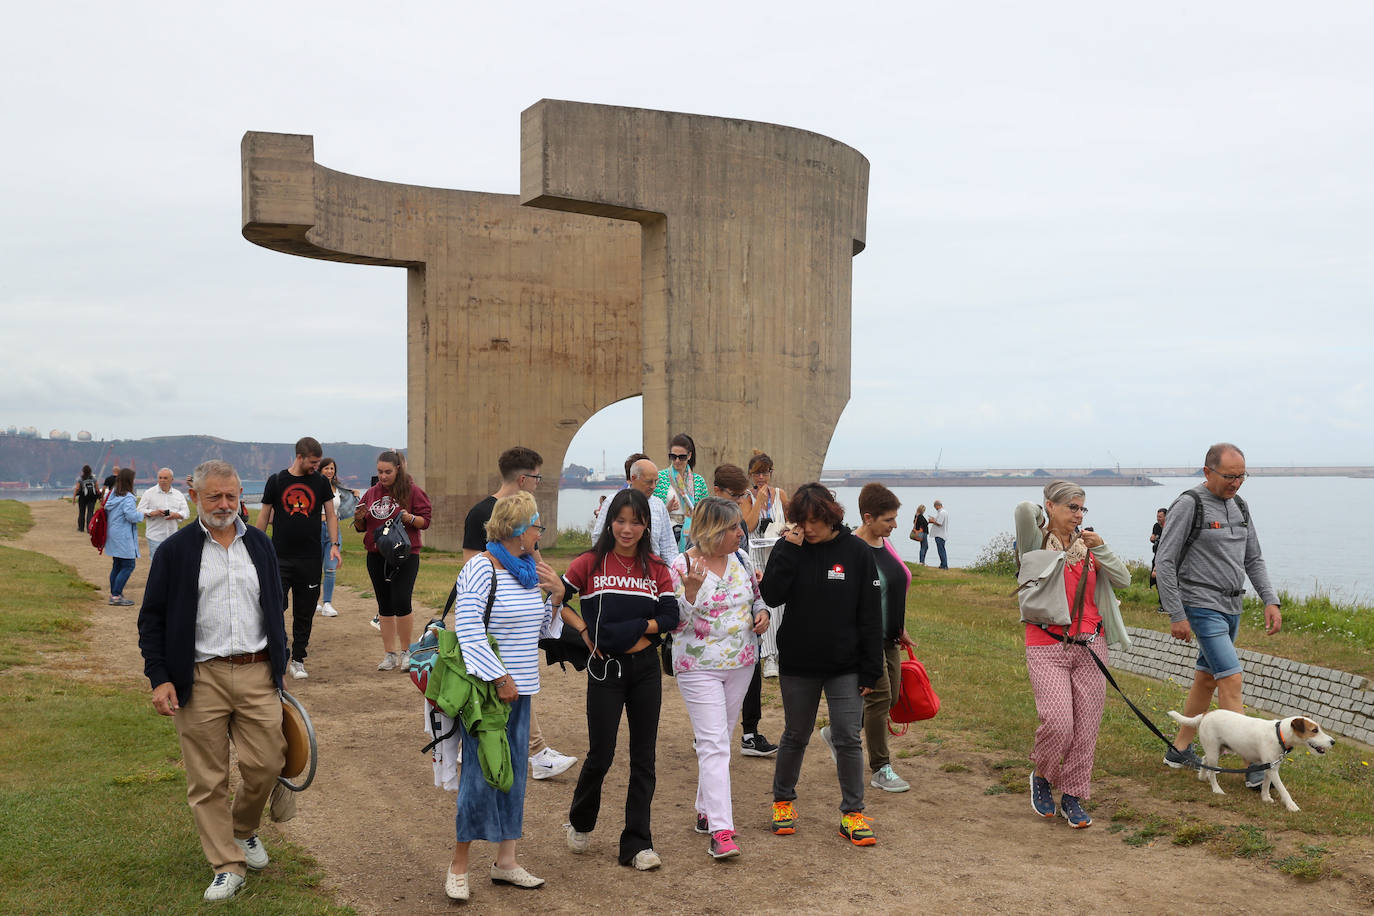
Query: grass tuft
(15, 519)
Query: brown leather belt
(246, 658)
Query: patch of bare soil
(384, 832)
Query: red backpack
(916, 700)
(98, 526)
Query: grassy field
(91, 786)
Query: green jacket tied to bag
(464, 696)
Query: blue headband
(521, 529)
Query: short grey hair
(640, 468)
(212, 468)
(1061, 492)
(1215, 452)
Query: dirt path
(384, 833)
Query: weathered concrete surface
(522, 323)
(749, 230)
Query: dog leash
(1189, 762)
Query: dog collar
(1278, 733)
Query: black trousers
(632, 683)
(300, 582)
(752, 710)
(85, 508)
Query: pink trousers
(1069, 695)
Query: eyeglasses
(1241, 476)
(736, 496)
(1075, 508)
(533, 476)
(679, 456)
(540, 528)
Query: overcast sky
(1095, 234)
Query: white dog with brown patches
(1257, 741)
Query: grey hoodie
(1217, 563)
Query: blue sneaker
(1254, 779)
(1072, 811)
(1042, 798)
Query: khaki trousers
(237, 702)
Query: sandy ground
(384, 833)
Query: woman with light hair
(519, 616)
(1069, 690)
(920, 525)
(715, 648)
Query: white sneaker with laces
(254, 853)
(887, 780)
(548, 763)
(389, 662)
(297, 669)
(647, 860)
(225, 885)
(578, 842)
(318, 607)
(375, 622)
(327, 610)
(405, 659)
(770, 666)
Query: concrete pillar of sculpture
(748, 235)
(521, 323)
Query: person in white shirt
(163, 507)
(642, 475)
(939, 529)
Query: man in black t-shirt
(519, 471)
(295, 502)
(109, 483)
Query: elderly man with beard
(214, 650)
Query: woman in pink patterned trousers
(1069, 689)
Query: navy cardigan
(167, 620)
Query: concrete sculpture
(702, 262)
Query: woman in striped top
(519, 616)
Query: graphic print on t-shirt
(298, 499)
(384, 507)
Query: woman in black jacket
(830, 642)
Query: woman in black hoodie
(830, 642)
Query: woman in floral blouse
(715, 647)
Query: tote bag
(1040, 588)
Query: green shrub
(998, 556)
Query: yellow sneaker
(854, 828)
(784, 818)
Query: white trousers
(713, 698)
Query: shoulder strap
(491, 598)
(1193, 529)
(749, 572)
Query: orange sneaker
(784, 818)
(854, 828)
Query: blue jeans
(940, 546)
(327, 583)
(925, 545)
(1215, 633)
(121, 568)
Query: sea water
(1311, 529)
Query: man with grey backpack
(1208, 549)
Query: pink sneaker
(723, 845)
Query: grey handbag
(1040, 588)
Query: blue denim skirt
(486, 813)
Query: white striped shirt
(518, 619)
(228, 609)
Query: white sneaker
(770, 666)
(548, 763)
(405, 659)
(375, 622)
(578, 842)
(297, 669)
(254, 853)
(318, 607)
(647, 860)
(825, 736)
(225, 885)
(389, 662)
(327, 610)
